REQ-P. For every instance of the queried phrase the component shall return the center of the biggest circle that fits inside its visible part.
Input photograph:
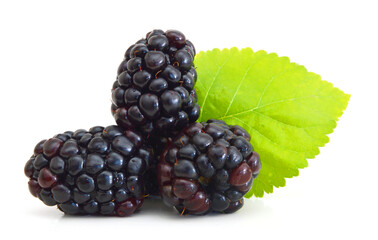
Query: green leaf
(287, 110)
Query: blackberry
(154, 91)
(208, 167)
(100, 171)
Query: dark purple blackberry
(154, 91)
(100, 171)
(208, 167)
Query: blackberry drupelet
(100, 171)
(208, 167)
(154, 91)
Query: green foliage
(287, 110)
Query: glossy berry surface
(154, 91)
(99, 171)
(207, 167)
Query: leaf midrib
(276, 102)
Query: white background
(58, 61)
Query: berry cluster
(154, 91)
(99, 171)
(209, 166)
(203, 167)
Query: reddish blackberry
(208, 167)
(154, 91)
(99, 171)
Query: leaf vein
(287, 124)
(238, 88)
(266, 137)
(212, 82)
